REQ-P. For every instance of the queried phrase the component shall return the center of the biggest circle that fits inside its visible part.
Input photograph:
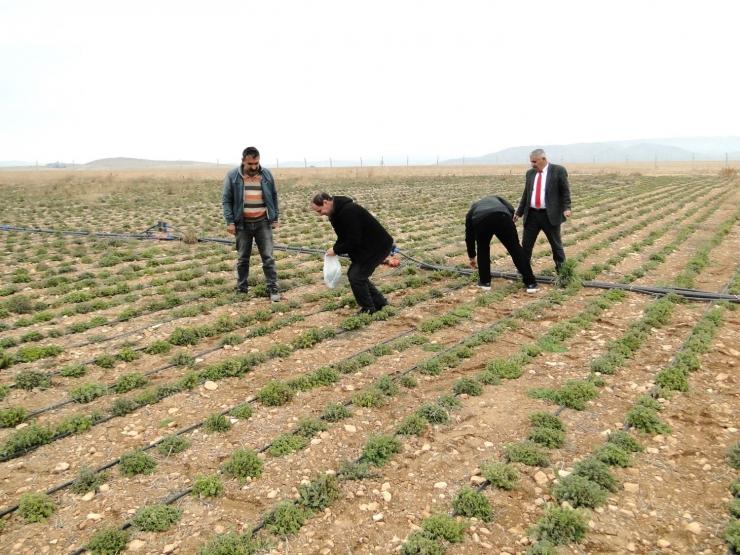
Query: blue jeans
(260, 233)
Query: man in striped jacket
(251, 210)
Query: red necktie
(538, 190)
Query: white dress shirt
(542, 192)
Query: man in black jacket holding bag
(361, 237)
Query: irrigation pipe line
(690, 294)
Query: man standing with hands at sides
(545, 205)
(491, 216)
(251, 210)
(363, 239)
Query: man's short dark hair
(250, 152)
(319, 198)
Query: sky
(164, 80)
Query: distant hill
(643, 150)
(138, 163)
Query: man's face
(251, 165)
(538, 163)
(325, 209)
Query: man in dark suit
(545, 205)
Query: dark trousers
(260, 233)
(537, 221)
(366, 294)
(502, 226)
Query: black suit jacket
(557, 194)
(359, 234)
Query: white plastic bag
(332, 271)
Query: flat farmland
(144, 402)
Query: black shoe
(274, 294)
(240, 291)
(484, 286)
(380, 307)
(366, 311)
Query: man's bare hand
(515, 218)
(472, 263)
(330, 252)
(274, 225)
(231, 229)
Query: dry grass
(65, 182)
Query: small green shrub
(412, 425)
(467, 386)
(76, 423)
(242, 412)
(386, 386)
(274, 394)
(598, 472)
(673, 378)
(127, 354)
(448, 401)
(613, 455)
(354, 471)
(88, 480)
(625, 441)
(574, 394)
(108, 541)
(547, 437)
(542, 419)
(379, 449)
(734, 508)
(504, 369)
(735, 486)
(25, 438)
(430, 367)
(216, 423)
(87, 392)
(207, 486)
(473, 504)
(106, 361)
(444, 527)
(334, 412)
(13, 416)
(369, 398)
(127, 382)
(36, 507)
(542, 548)
(320, 492)
(173, 444)
(733, 455)
(500, 474)
(579, 491)
(136, 462)
(243, 464)
(287, 443)
(407, 381)
(527, 453)
(158, 348)
(418, 544)
(156, 518)
(309, 427)
(434, 414)
(285, 518)
(30, 379)
(647, 420)
(73, 371)
(561, 526)
(731, 534)
(324, 376)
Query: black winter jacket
(359, 234)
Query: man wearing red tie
(545, 205)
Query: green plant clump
(613, 455)
(320, 492)
(334, 412)
(444, 527)
(156, 518)
(434, 414)
(473, 504)
(73, 371)
(548, 437)
(625, 441)
(285, 518)
(173, 444)
(731, 534)
(379, 449)
(500, 474)
(274, 394)
(579, 491)
(287, 443)
(136, 462)
(412, 425)
(243, 464)
(242, 412)
(598, 472)
(29, 379)
(418, 544)
(87, 392)
(467, 386)
(12, 417)
(216, 423)
(26, 438)
(354, 471)
(527, 453)
(561, 526)
(646, 420)
(542, 419)
(88, 480)
(207, 486)
(36, 507)
(108, 541)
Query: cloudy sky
(82, 80)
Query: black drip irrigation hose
(690, 294)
